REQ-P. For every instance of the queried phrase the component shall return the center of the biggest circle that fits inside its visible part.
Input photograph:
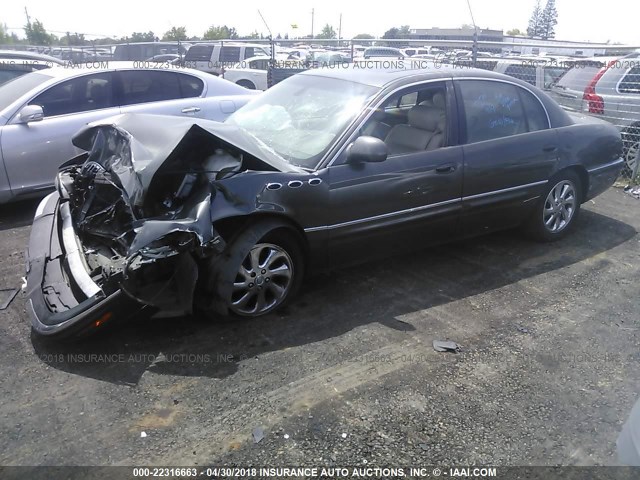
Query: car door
(410, 200)
(509, 153)
(161, 93)
(33, 152)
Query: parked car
(216, 57)
(230, 216)
(143, 50)
(252, 73)
(542, 74)
(40, 112)
(11, 68)
(168, 58)
(569, 89)
(383, 52)
(26, 55)
(613, 94)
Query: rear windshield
(579, 77)
(14, 89)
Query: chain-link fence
(599, 80)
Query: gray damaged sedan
(325, 169)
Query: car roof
(382, 78)
(27, 55)
(73, 70)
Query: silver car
(41, 111)
(607, 88)
(615, 96)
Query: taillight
(595, 103)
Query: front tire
(556, 213)
(260, 271)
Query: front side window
(491, 110)
(82, 94)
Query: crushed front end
(110, 242)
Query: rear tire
(558, 208)
(259, 272)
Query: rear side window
(526, 73)
(492, 110)
(199, 53)
(579, 77)
(229, 55)
(190, 86)
(142, 86)
(82, 94)
(631, 81)
(249, 52)
(552, 75)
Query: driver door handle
(446, 168)
(191, 110)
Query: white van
(214, 57)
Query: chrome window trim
(443, 79)
(424, 207)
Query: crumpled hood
(153, 138)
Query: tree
(549, 20)
(363, 36)
(4, 33)
(142, 37)
(327, 32)
(535, 22)
(393, 32)
(220, 33)
(467, 26)
(73, 39)
(37, 35)
(514, 32)
(176, 34)
(404, 30)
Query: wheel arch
(582, 174)
(230, 227)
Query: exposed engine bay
(144, 224)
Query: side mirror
(367, 149)
(31, 113)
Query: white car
(252, 73)
(41, 111)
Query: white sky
(579, 20)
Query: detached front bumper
(62, 299)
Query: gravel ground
(546, 375)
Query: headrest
(426, 118)
(439, 101)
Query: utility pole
(312, 14)
(340, 30)
(27, 14)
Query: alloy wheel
(559, 207)
(262, 281)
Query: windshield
(300, 118)
(14, 89)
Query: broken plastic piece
(257, 434)
(445, 346)
(143, 434)
(6, 297)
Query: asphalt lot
(547, 374)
